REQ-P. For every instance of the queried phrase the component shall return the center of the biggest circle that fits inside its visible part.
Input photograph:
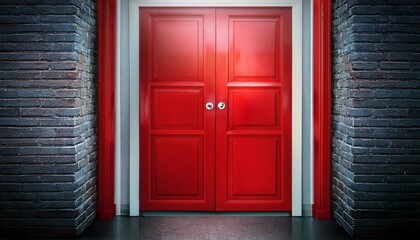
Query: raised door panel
(177, 167)
(253, 67)
(179, 108)
(177, 134)
(178, 51)
(254, 108)
(255, 53)
(252, 167)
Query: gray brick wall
(376, 117)
(47, 116)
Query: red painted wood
(253, 149)
(106, 108)
(177, 132)
(178, 72)
(322, 109)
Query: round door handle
(209, 106)
(221, 105)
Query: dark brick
(368, 19)
(68, 213)
(47, 10)
(47, 117)
(66, 37)
(58, 19)
(403, 56)
(37, 159)
(10, 187)
(391, 94)
(370, 196)
(40, 187)
(69, 93)
(59, 75)
(37, 112)
(385, 122)
(63, 65)
(9, 112)
(369, 56)
(365, 66)
(404, 178)
(381, 10)
(379, 113)
(13, 196)
(405, 197)
(50, 169)
(376, 117)
(60, 102)
(39, 151)
(20, 178)
(59, 178)
(9, 151)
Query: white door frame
(134, 170)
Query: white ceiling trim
(215, 3)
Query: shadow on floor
(214, 227)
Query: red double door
(215, 97)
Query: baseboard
(236, 214)
(306, 210)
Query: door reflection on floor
(215, 227)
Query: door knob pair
(220, 105)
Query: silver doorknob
(209, 106)
(221, 105)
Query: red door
(235, 156)
(253, 132)
(177, 65)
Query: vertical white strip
(134, 109)
(216, 3)
(297, 109)
(311, 129)
(117, 196)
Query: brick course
(376, 117)
(47, 116)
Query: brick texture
(376, 117)
(47, 116)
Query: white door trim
(117, 169)
(297, 108)
(296, 5)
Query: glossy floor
(214, 227)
